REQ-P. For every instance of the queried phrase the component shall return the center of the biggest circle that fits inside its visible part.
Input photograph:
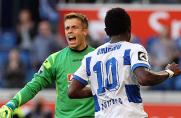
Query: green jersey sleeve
(41, 79)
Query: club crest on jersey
(69, 77)
(142, 56)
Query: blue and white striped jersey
(109, 69)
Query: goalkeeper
(58, 68)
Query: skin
(75, 34)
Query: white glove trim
(170, 72)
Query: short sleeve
(139, 57)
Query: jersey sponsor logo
(110, 102)
(142, 56)
(69, 77)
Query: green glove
(6, 112)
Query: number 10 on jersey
(107, 79)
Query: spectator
(44, 44)
(135, 39)
(119, 1)
(25, 30)
(14, 73)
(177, 83)
(78, 1)
(39, 110)
(165, 1)
(162, 50)
(48, 11)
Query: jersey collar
(79, 50)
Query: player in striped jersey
(116, 70)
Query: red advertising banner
(163, 110)
(145, 22)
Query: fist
(174, 67)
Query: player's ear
(108, 31)
(85, 31)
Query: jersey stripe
(133, 93)
(88, 66)
(96, 104)
(139, 65)
(127, 57)
(80, 79)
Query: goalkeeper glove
(6, 112)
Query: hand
(5, 112)
(174, 67)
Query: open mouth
(71, 38)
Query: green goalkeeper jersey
(58, 68)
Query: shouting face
(75, 34)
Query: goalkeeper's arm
(19, 99)
(32, 88)
(40, 81)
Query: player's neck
(75, 50)
(118, 38)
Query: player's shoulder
(90, 54)
(94, 52)
(91, 48)
(133, 46)
(57, 54)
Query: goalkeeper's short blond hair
(79, 16)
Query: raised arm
(147, 77)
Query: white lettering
(175, 29)
(154, 20)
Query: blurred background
(30, 30)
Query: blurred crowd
(123, 1)
(25, 45)
(162, 50)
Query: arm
(28, 92)
(78, 90)
(23, 96)
(41, 79)
(147, 77)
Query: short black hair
(117, 21)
